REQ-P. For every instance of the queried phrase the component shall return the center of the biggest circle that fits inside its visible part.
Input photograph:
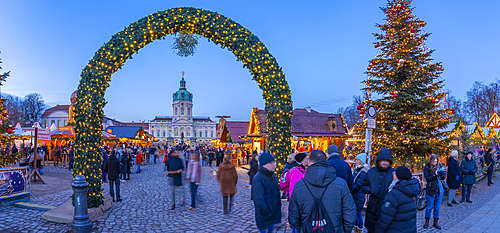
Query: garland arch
(222, 31)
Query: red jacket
(138, 159)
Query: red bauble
(362, 112)
(395, 95)
(377, 45)
(5, 114)
(412, 30)
(359, 108)
(433, 101)
(392, 93)
(403, 6)
(9, 130)
(361, 105)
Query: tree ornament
(401, 61)
(377, 45)
(359, 108)
(9, 131)
(361, 104)
(395, 95)
(413, 30)
(362, 112)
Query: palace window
(201, 134)
(182, 111)
(175, 111)
(189, 111)
(176, 132)
(164, 132)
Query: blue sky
(322, 46)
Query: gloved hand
(470, 172)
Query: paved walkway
(486, 219)
(146, 207)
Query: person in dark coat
(399, 211)
(266, 194)
(434, 190)
(342, 167)
(254, 168)
(174, 168)
(210, 157)
(123, 162)
(320, 178)
(453, 177)
(104, 159)
(129, 163)
(468, 169)
(114, 169)
(490, 162)
(358, 195)
(377, 182)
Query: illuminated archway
(222, 31)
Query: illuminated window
(176, 132)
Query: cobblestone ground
(146, 206)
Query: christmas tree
(404, 85)
(6, 130)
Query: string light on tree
(409, 119)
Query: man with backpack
(321, 202)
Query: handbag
(421, 200)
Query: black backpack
(318, 220)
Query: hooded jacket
(466, 166)
(377, 182)
(266, 198)
(295, 174)
(342, 167)
(113, 167)
(399, 211)
(337, 199)
(228, 178)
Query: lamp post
(81, 219)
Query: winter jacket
(138, 159)
(399, 211)
(266, 198)
(123, 161)
(489, 159)
(454, 178)
(193, 172)
(104, 158)
(113, 167)
(358, 195)
(210, 156)
(337, 199)
(295, 174)
(466, 166)
(174, 164)
(432, 185)
(342, 167)
(376, 184)
(228, 178)
(254, 168)
(284, 178)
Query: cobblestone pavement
(146, 206)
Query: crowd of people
(323, 191)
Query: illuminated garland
(217, 28)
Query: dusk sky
(323, 48)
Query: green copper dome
(182, 93)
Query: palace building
(182, 126)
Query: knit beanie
(403, 173)
(361, 157)
(332, 149)
(299, 157)
(265, 158)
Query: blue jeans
(359, 219)
(104, 176)
(294, 230)
(194, 188)
(138, 168)
(268, 229)
(112, 185)
(203, 162)
(433, 202)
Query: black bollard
(81, 219)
